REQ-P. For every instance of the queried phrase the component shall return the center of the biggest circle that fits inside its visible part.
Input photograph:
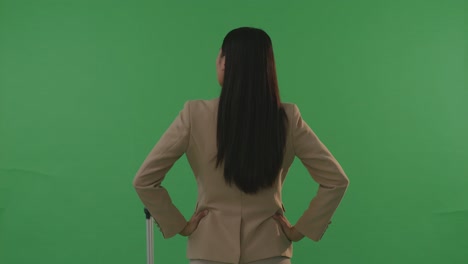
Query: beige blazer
(238, 227)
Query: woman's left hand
(192, 224)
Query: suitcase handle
(149, 238)
(147, 214)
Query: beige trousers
(275, 260)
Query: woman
(240, 147)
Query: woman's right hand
(192, 224)
(289, 230)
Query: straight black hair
(252, 124)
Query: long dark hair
(252, 125)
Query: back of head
(251, 132)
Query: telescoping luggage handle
(149, 238)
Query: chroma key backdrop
(87, 87)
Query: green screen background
(88, 87)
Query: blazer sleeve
(326, 171)
(147, 182)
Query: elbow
(137, 183)
(344, 183)
(144, 181)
